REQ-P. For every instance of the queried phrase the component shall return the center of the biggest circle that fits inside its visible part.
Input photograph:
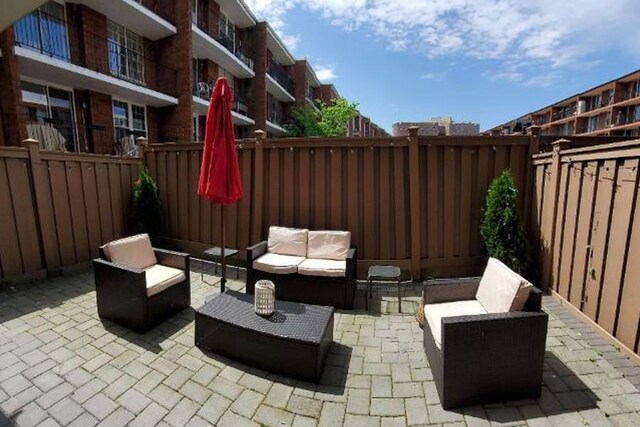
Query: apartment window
(49, 112)
(129, 121)
(126, 53)
(194, 11)
(229, 76)
(636, 89)
(593, 124)
(44, 30)
(227, 31)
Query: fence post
(528, 193)
(414, 197)
(257, 199)
(45, 225)
(142, 146)
(551, 212)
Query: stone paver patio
(60, 365)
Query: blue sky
(485, 61)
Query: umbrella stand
(224, 256)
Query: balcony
(240, 109)
(221, 47)
(132, 14)
(279, 84)
(275, 123)
(44, 52)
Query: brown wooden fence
(410, 201)
(588, 217)
(57, 208)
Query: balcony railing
(276, 117)
(49, 36)
(278, 72)
(241, 103)
(562, 114)
(43, 33)
(53, 134)
(209, 21)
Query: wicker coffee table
(294, 341)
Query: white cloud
(325, 72)
(523, 37)
(432, 76)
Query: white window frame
(126, 34)
(130, 116)
(74, 117)
(224, 18)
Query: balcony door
(129, 123)
(44, 30)
(50, 116)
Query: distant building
(612, 108)
(438, 126)
(363, 127)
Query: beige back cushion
(134, 251)
(329, 244)
(288, 241)
(501, 289)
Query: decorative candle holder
(265, 297)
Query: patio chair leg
(399, 296)
(367, 294)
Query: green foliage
(331, 120)
(334, 117)
(303, 121)
(147, 212)
(501, 228)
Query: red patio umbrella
(220, 180)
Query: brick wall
(100, 118)
(425, 128)
(90, 28)
(175, 123)
(300, 81)
(326, 93)
(259, 84)
(152, 123)
(15, 129)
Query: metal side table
(215, 254)
(384, 273)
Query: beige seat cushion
(433, 314)
(323, 267)
(160, 277)
(278, 264)
(501, 289)
(134, 251)
(329, 244)
(287, 241)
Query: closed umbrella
(220, 180)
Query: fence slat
(620, 224)
(599, 237)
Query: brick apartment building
(612, 108)
(438, 126)
(93, 75)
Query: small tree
(335, 116)
(147, 212)
(303, 121)
(501, 228)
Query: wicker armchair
(124, 293)
(485, 357)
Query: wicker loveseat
(139, 286)
(485, 341)
(313, 267)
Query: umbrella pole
(224, 258)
